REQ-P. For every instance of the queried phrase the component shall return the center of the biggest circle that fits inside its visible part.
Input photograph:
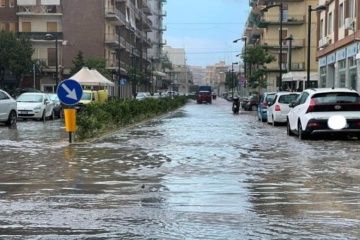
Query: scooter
(236, 105)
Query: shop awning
(299, 76)
(159, 74)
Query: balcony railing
(115, 15)
(39, 10)
(41, 35)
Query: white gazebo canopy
(88, 77)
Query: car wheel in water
(12, 120)
(288, 129)
(52, 116)
(43, 117)
(301, 134)
(273, 122)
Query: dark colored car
(58, 109)
(250, 103)
(204, 96)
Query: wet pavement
(199, 173)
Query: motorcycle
(236, 105)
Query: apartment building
(180, 73)
(286, 40)
(116, 30)
(215, 76)
(338, 44)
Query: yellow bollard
(70, 119)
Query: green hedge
(99, 118)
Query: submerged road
(198, 173)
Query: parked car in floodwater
(34, 105)
(8, 108)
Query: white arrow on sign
(71, 93)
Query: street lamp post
(51, 37)
(317, 9)
(232, 78)
(244, 38)
(290, 39)
(265, 9)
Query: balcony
(146, 7)
(114, 15)
(273, 19)
(40, 36)
(112, 40)
(324, 42)
(43, 10)
(273, 43)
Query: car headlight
(37, 108)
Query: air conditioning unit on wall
(349, 24)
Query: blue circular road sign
(69, 92)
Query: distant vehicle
(204, 94)
(250, 103)
(34, 105)
(58, 109)
(156, 95)
(330, 111)
(278, 108)
(91, 96)
(265, 99)
(142, 95)
(8, 109)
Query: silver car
(8, 109)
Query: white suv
(325, 111)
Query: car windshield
(288, 98)
(54, 97)
(30, 98)
(86, 96)
(336, 97)
(270, 97)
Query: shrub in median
(99, 118)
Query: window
(11, 3)
(2, 96)
(12, 27)
(352, 9)
(2, 3)
(26, 26)
(51, 57)
(321, 28)
(341, 15)
(330, 24)
(52, 27)
(2, 26)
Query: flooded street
(199, 173)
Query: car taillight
(358, 124)
(311, 106)
(313, 124)
(277, 108)
(264, 106)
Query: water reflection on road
(199, 173)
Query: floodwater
(198, 173)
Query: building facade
(286, 39)
(338, 44)
(119, 31)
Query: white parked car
(142, 95)
(33, 105)
(8, 109)
(325, 111)
(278, 108)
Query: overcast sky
(206, 29)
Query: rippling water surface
(198, 173)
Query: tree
(99, 64)
(21, 62)
(257, 58)
(78, 62)
(15, 55)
